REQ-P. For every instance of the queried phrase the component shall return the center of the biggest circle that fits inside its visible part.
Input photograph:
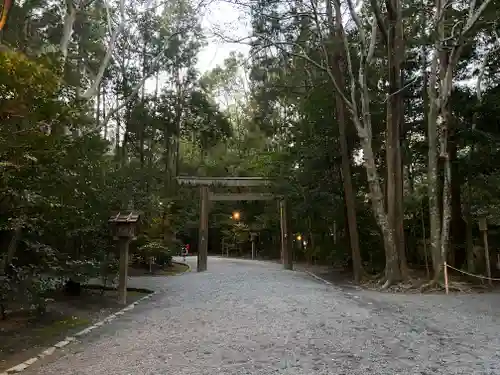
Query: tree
(443, 64)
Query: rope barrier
(471, 274)
(446, 266)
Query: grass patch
(172, 270)
(64, 325)
(175, 269)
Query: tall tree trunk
(337, 67)
(98, 107)
(444, 134)
(166, 156)
(467, 208)
(104, 111)
(124, 148)
(436, 79)
(359, 106)
(447, 210)
(312, 242)
(12, 247)
(178, 123)
(141, 146)
(432, 170)
(377, 199)
(458, 254)
(117, 132)
(395, 53)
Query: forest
(378, 120)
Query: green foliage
(156, 249)
(67, 161)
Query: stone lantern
(124, 227)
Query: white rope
(471, 274)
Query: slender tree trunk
(432, 179)
(312, 242)
(432, 140)
(124, 148)
(443, 131)
(395, 53)
(98, 107)
(12, 247)
(359, 106)
(377, 199)
(349, 196)
(337, 67)
(447, 209)
(411, 178)
(117, 133)
(104, 111)
(69, 21)
(467, 211)
(458, 253)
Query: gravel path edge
(314, 276)
(61, 344)
(184, 264)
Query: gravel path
(245, 317)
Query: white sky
(220, 20)
(228, 20)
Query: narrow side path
(245, 317)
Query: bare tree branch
(68, 23)
(93, 89)
(380, 20)
(154, 64)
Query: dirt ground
(344, 278)
(24, 335)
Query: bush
(157, 250)
(109, 269)
(25, 285)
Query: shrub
(157, 250)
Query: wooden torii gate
(205, 183)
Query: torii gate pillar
(286, 249)
(203, 233)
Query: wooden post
(123, 243)
(446, 284)
(253, 237)
(286, 251)
(282, 236)
(124, 226)
(487, 255)
(483, 227)
(203, 234)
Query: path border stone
(61, 344)
(180, 273)
(314, 276)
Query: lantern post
(124, 228)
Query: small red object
(187, 248)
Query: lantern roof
(125, 217)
